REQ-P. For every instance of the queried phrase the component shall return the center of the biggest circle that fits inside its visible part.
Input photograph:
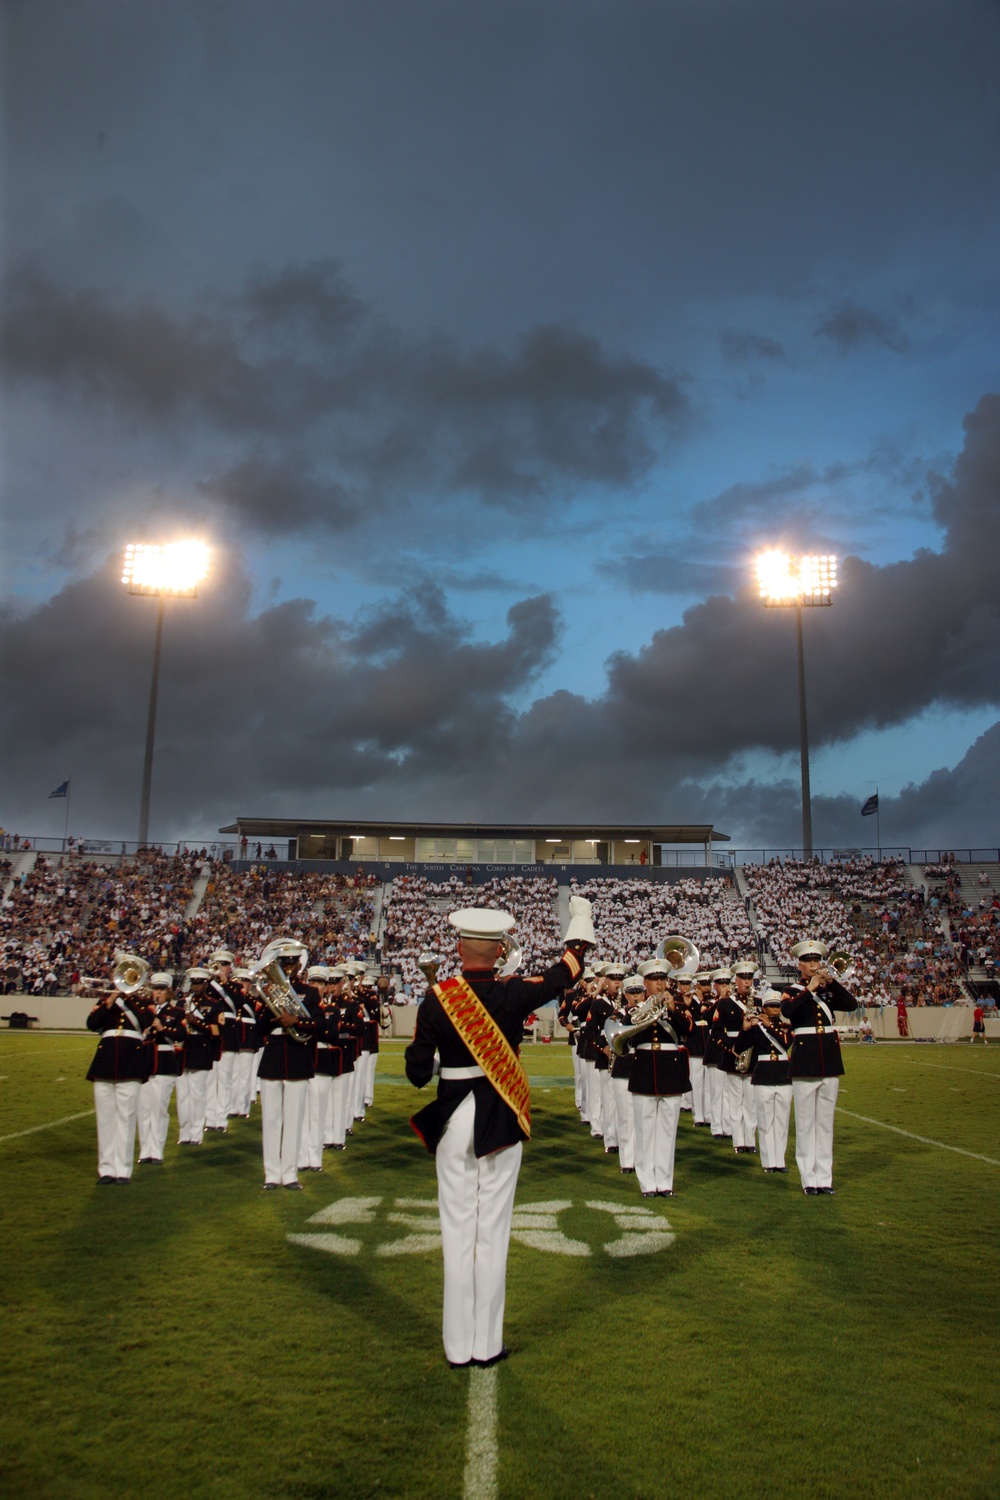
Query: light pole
(172, 570)
(799, 583)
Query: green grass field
(168, 1339)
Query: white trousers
(117, 1108)
(360, 1084)
(220, 1090)
(192, 1101)
(577, 1080)
(656, 1117)
(476, 1203)
(594, 1100)
(739, 1116)
(609, 1115)
(815, 1103)
(713, 1099)
(697, 1066)
(624, 1122)
(318, 1092)
(282, 1110)
(336, 1111)
(154, 1114)
(370, 1078)
(773, 1104)
(242, 1080)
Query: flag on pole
(60, 791)
(871, 806)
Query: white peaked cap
(162, 980)
(746, 968)
(655, 968)
(480, 922)
(810, 948)
(318, 971)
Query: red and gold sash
(488, 1045)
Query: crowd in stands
(633, 916)
(416, 920)
(244, 909)
(62, 922)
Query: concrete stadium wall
(438, 873)
(926, 1023)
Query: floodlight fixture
(798, 583)
(161, 570)
(807, 581)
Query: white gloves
(581, 922)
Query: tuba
(270, 984)
(129, 973)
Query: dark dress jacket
(230, 1001)
(601, 1010)
(284, 1057)
(768, 1067)
(509, 1001)
(817, 1053)
(660, 1065)
(165, 1041)
(726, 1030)
(329, 1054)
(621, 1067)
(121, 1055)
(700, 1015)
(201, 1041)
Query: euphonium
(129, 973)
(841, 965)
(511, 957)
(681, 954)
(269, 983)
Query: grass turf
(166, 1339)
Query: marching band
(647, 1047)
(302, 1038)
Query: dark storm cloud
(285, 698)
(335, 409)
(742, 347)
(850, 328)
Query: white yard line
(923, 1139)
(50, 1126)
(947, 1068)
(481, 1452)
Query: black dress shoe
(105, 1181)
(665, 1193)
(828, 1191)
(485, 1364)
(293, 1187)
(123, 1181)
(628, 1170)
(611, 1150)
(271, 1187)
(649, 1195)
(810, 1192)
(460, 1364)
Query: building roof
(662, 833)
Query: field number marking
(923, 1139)
(481, 1455)
(50, 1125)
(535, 1225)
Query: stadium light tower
(799, 583)
(172, 570)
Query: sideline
(923, 1139)
(947, 1068)
(32, 1129)
(481, 1456)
